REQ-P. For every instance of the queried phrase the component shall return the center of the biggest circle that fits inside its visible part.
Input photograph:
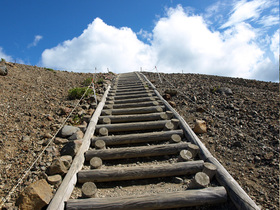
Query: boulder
(200, 127)
(67, 131)
(57, 167)
(35, 196)
(71, 148)
(3, 70)
(225, 90)
(171, 92)
(78, 135)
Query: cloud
(36, 40)
(5, 56)
(179, 41)
(244, 10)
(101, 46)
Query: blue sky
(236, 38)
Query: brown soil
(242, 128)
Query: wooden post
(100, 144)
(106, 120)
(103, 131)
(89, 190)
(175, 138)
(210, 169)
(200, 180)
(95, 163)
(193, 149)
(185, 155)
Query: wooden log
(132, 105)
(175, 138)
(103, 131)
(175, 122)
(135, 126)
(140, 172)
(171, 125)
(100, 144)
(239, 197)
(140, 88)
(169, 114)
(135, 100)
(194, 149)
(122, 97)
(200, 180)
(138, 110)
(137, 138)
(89, 190)
(95, 162)
(133, 92)
(106, 112)
(135, 117)
(134, 152)
(65, 189)
(106, 120)
(210, 169)
(185, 155)
(171, 200)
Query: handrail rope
(20, 180)
(207, 111)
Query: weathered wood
(210, 169)
(95, 162)
(106, 120)
(171, 200)
(169, 114)
(137, 138)
(140, 88)
(134, 117)
(103, 131)
(185, 155)
(89, 190)
(122, 97)
(138, 110)
(133, 92)
(99, 144)
(140, 172)
(200, 180)
(135, 100)
(65, 189)
(133, 152)
(131, 105)
(239, 197)
(194, 149)
(136, 126)
(175, 138)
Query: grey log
(140, 172)
(99, 144)
(132, 105)
(200, 180)
(210, 169)
(138, 110)
(122, 97)
(135, 100)
(188, 198)
(137, 138)
(95, 162)
(89, 190)
(134, 117)
(133, 152)
(136, 126)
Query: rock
(171, 92)
(167, 96)
(178, 180)
(58, 140)
(52, 151)
(64, 111)
(35, 196)
(78, 135)
(57, 167)
(200, 127)
(237, 144)
(25, 138)
(67, 160)
(54, 179)
(172, 103)
(225, 90)
(67, 131)
(71, 148)
(3, 69)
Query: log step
(189, 198)
(137, 138)
(132, 105)
(133, 152)
(136, 126)
(135, 117)
(140, 88)
(129, 92)
(121, 97)
(140, 172)
(134, 100)
(137, 110)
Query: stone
(64, 111)
(237, 144)
(25, 138)
(225, 90)
(57, 167)
(200, 127)
(171, 92)
(67, 160)
(58, 140)
(67, 131)
(167, 96)
(3, 70)
(78, 135)
(54, 179)
(35, 196)
(172, 103)
(71, 148)
(52, 151)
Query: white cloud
(5, 56)
(36, 40)
(101, 46)
(244, 10)
(179, 42)
(274, 46)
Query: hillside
(33, 99)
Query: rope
(20, 180)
